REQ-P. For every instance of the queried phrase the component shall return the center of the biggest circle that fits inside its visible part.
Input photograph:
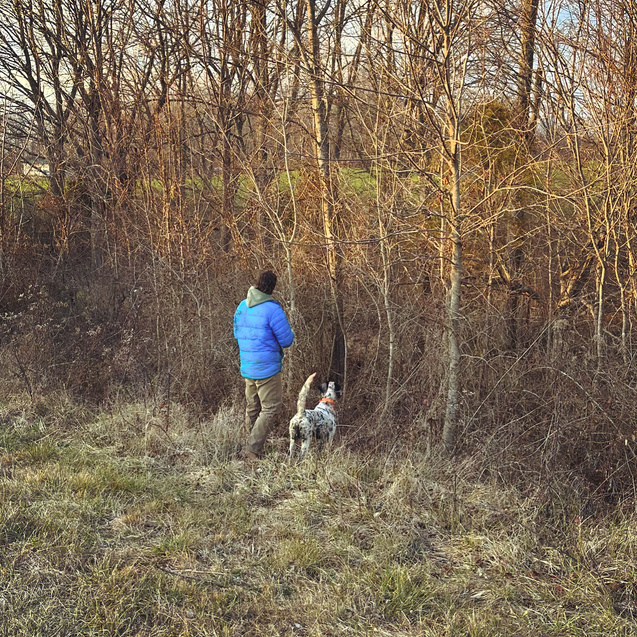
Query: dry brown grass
(133, 522)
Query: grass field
(138, 522)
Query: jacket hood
(256, 297)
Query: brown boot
(249, 456)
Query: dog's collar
(329, 401)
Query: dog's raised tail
(300, 404)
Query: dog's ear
(323, 388)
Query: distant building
(38, 167)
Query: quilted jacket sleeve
(281, 327)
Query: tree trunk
(528, 21)
(453, 306)
(452, 151)
(328, 196)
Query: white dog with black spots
(319, 423)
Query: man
(262, 331)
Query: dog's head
(331, 390)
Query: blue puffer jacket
(262, 331)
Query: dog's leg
(331, 432)
(292, 432)
(304, 447)
(324, 443)
(330, 439)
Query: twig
(23, 373)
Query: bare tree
(442, 37)
(37, 75)
(310, 50)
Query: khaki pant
(264, 399)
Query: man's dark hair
(266, 282)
